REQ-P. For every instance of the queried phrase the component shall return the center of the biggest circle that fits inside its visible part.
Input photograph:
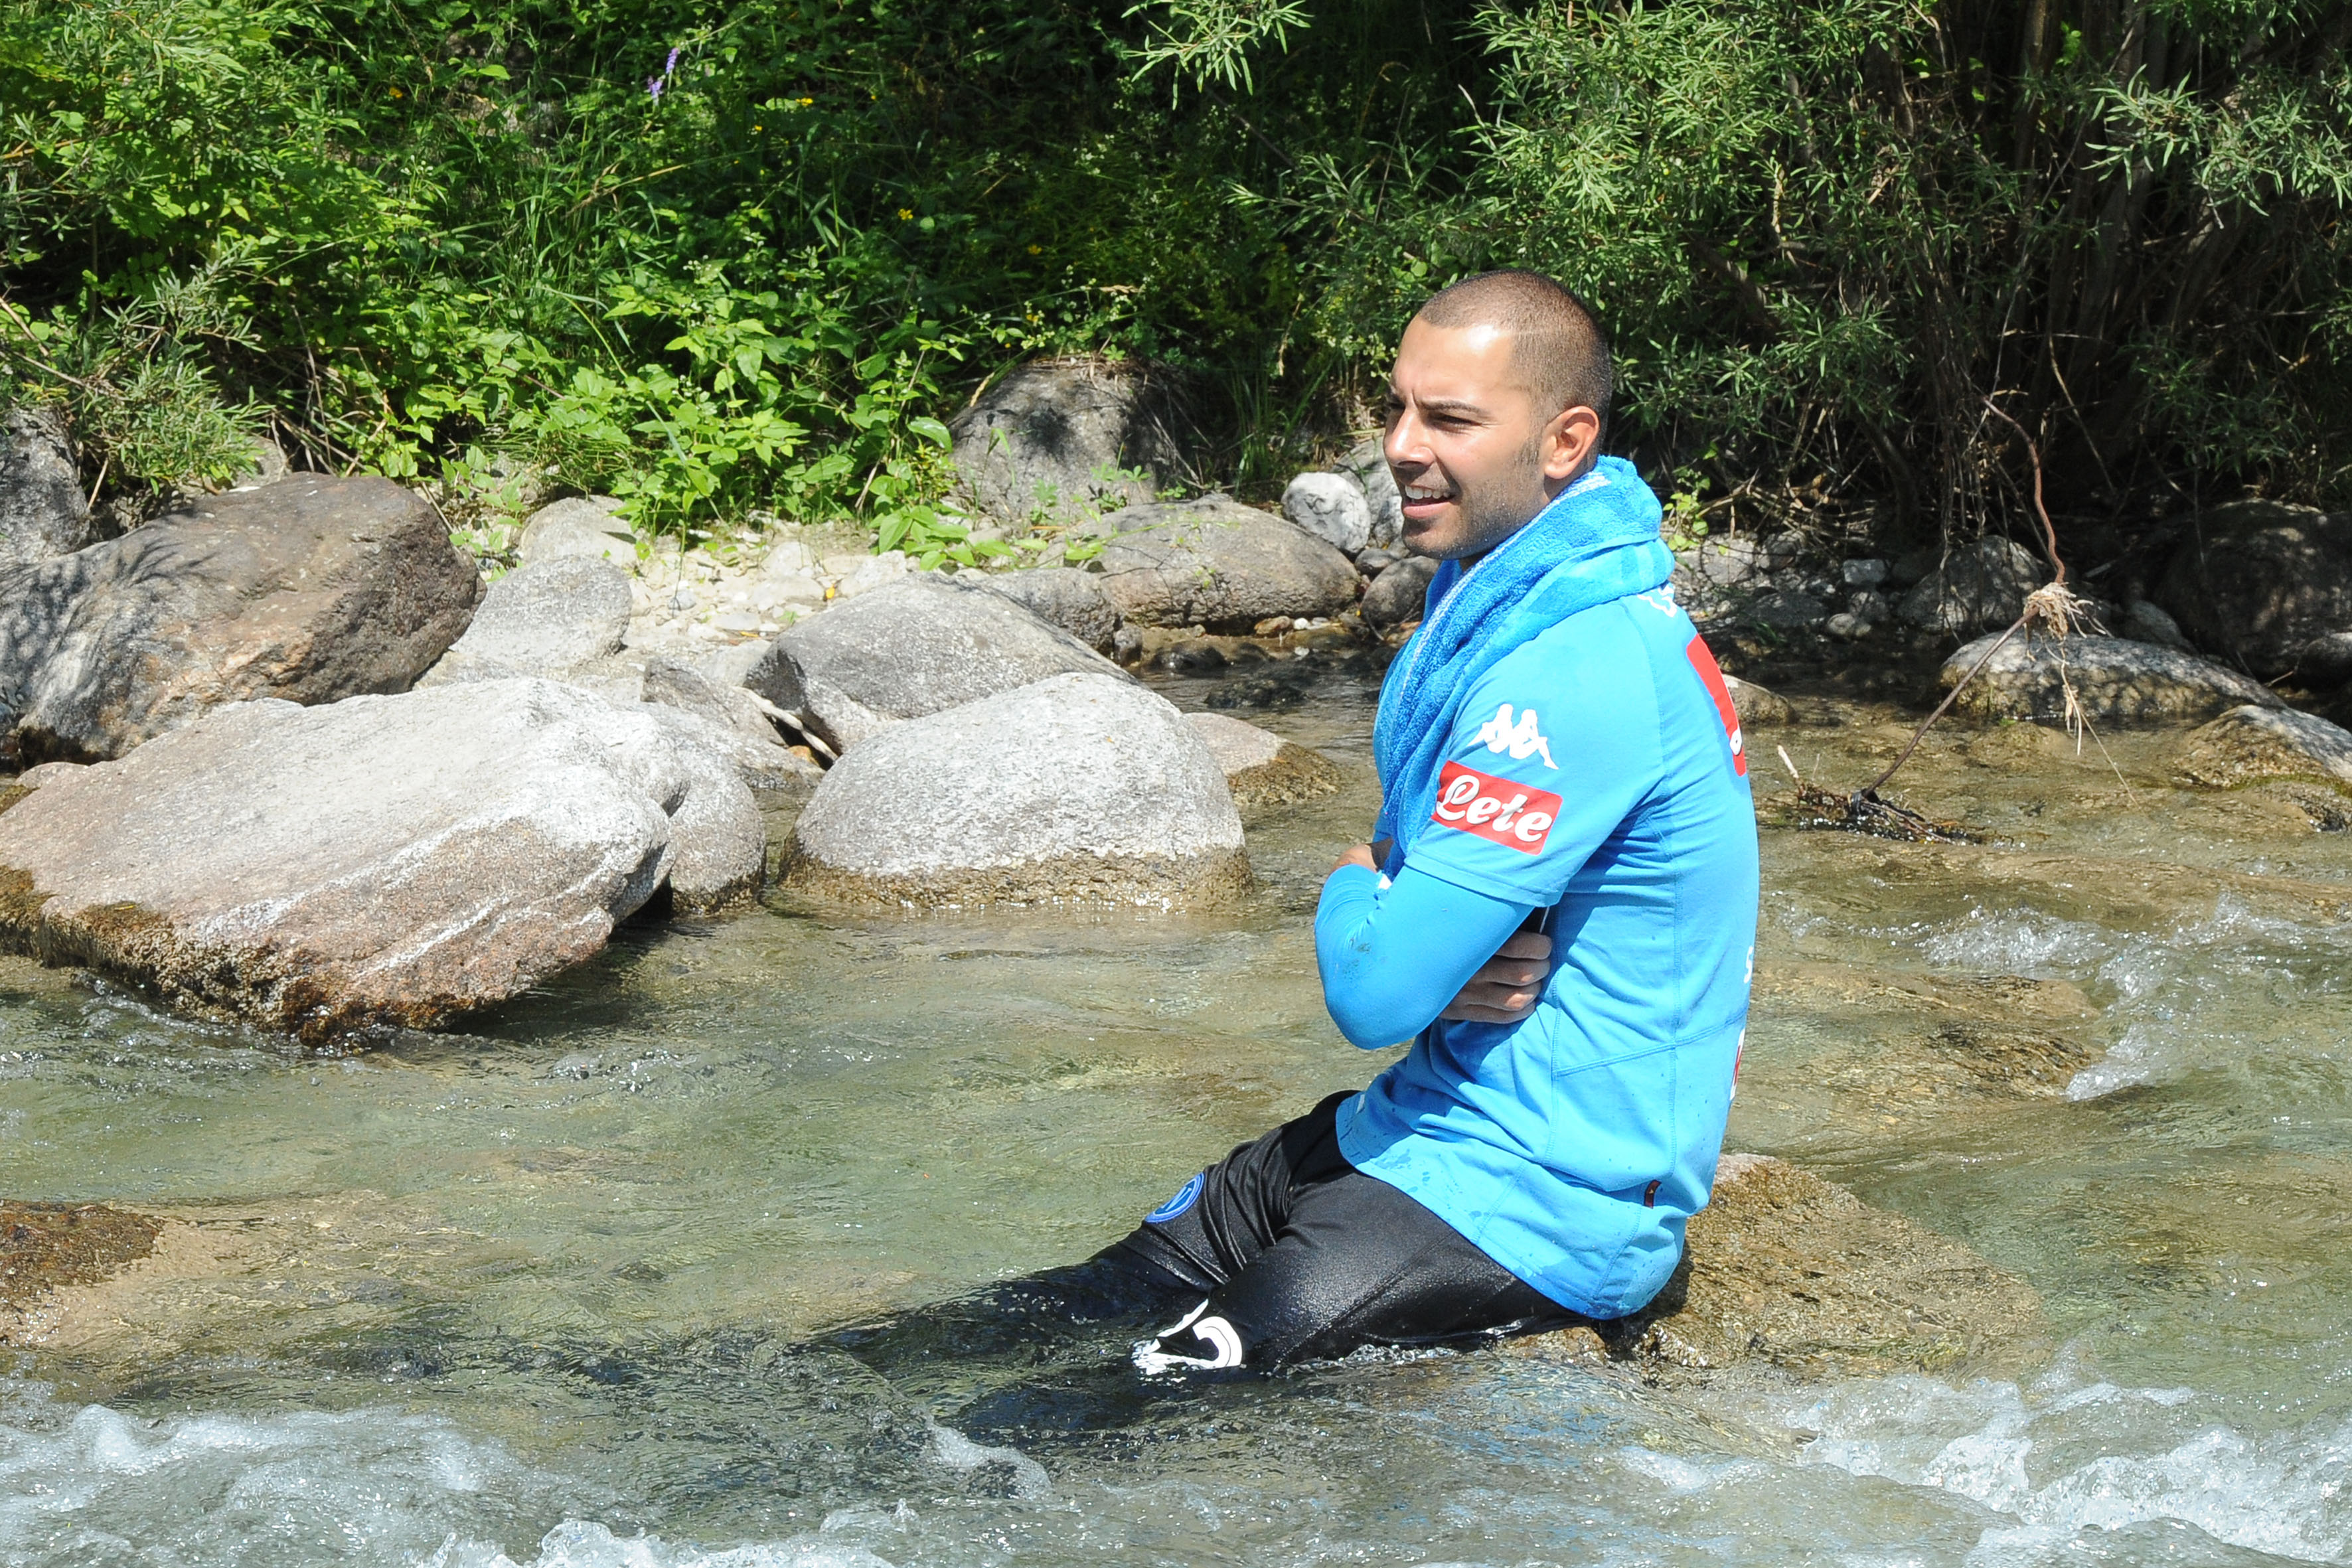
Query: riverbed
(570, 1287)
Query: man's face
(1473, 454)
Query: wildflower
(906, 215)
(806, 101)
(655, 84)
(397, 93)
(1036, 250)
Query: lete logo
(1494, 809)
(1522, 739)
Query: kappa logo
(1660, 599)
(1496, 810)
(1522, 739)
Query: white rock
(578, 526)
(1080, 788)
(1332, 507)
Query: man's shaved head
(1554, 343)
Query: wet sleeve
(1393, 954)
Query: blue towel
(1597, 541)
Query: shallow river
(565, 1289)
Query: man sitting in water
(1559, 910)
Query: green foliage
(719, 258)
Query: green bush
(717, 257)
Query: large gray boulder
(1078, 789)
(545, 618)
(1263, 770)
(1398, 593)
(577, 525)
(909, 648)
(724, 720)
(1976, 585)
(1063, 596)
(43, 512)
(1063, 440)
(2254, 743)
(1332, 507)
(2257, 581)
(1219, 565)
(1369, 467)
(2115, 682)
(311, 590)
(378, 861)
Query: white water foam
(87, 1485)
(2057, 1466)
(2207, 989)
(575, 1544)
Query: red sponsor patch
(1703, 661)
(1507, 813)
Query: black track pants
(1304, 1255)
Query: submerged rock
(1076, 789)
(1332, 507)
(917, 646)
(2115, 682)
(1975, 587)
(43, 512)
(1397, 594)
(1217, 564)
(1063, 596)
(2247, 744)
(46, 1245)
(542, 619)
(2257, 580)
(1262, 770)
(311, 590)
(1787, 1269)
(383, 861)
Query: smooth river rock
(1263, 770)
(1078, 789)
(378, 861)
(913, 648)
(1398, 593)
(1332, 507)
(43, 512)
(1368, 465)
(2251, 744)
(542, 619)
(578, 526)
(1975, 587)
(2257, 580)
(2115, 682)
(1786, 1268)
(1217, 564)
(311, 590)
(1063, 596)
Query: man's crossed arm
(1396, 959)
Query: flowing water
(566, 1288)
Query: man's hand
(1358, 855)
(1505, 989)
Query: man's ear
(1569, 442)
